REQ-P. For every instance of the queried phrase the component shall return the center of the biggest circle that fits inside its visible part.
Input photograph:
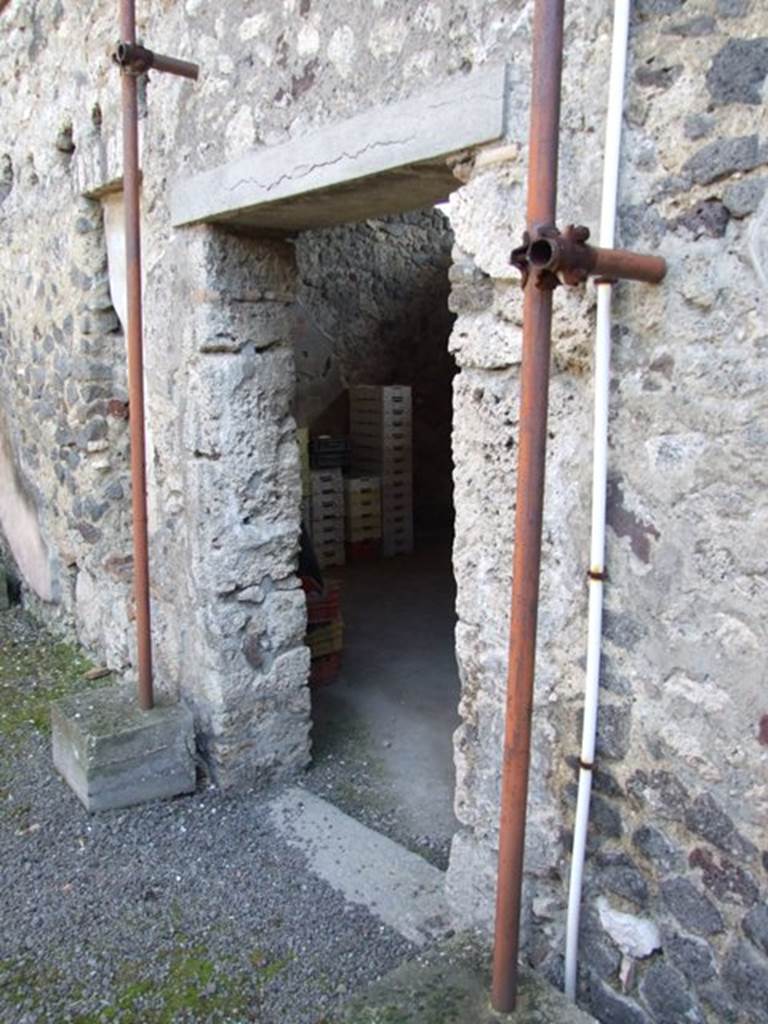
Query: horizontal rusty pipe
(569, 256)
(134, 341)
(137, 59)
(622, 265)
(534, 386)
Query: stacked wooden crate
(328, 516)
(326, 452)
(381, 428)
(362, 510)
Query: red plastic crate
(324, 606)
(323, 671)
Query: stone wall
(372, 308)
(65, 508)
(678, 816)
(678, 834)
(229, 615)
(266, 76)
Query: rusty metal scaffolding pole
(534, 385)
(134, 330)
(139, 59)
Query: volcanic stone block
(655, 846)
(695, 911)
(663, 989)
(755, 926)
(610, 1006)
(113, 754)
(692, 956)
(738, 71)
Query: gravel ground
(189, 910)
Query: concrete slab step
(400, 888)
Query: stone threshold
(397, 886)
(450, 984)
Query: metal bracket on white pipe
(599, 484)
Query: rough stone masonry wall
(63, 396)
(678, 834)
(229, 612)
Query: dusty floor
(192, 910)
(382, 736)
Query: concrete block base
(113, 754)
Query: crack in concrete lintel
(304, 169)
(451, 101)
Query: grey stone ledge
(387, 159)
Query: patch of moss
(23, 983)
(193, 987)
(32, 674)
(381, 1015)
(34, 670)
(190, 986)
(427, 1007)
(267, 968)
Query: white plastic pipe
(599, 484)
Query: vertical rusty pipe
(534, 385)
(544, 129)
(131, 204)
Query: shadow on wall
(19, 522)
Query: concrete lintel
(400, 148)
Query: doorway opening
(373, 406)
